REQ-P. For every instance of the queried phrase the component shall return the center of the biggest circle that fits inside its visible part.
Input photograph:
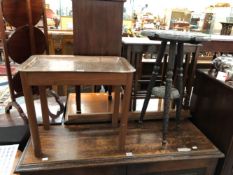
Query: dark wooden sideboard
(212, 111)
(92, 150)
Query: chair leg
(168, 87)
(152, 80)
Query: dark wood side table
(212, 113)
(176, 51)
(133, 48)
(72, 70)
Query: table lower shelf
(81, 148)
(95, 107)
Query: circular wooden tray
(18, 45)
(15, 12)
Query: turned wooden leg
(168, 87)
(152, 80)
(180, 85)
(191, 76)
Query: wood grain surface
(15, 11)
(96, 145)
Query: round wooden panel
(16, 83)
(18, 45)
(15, 12)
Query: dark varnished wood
(218, 43)
(212, 113)
(153, 78)
(93, 146)
(15, 11)
(177, 40)
(19, 47)
(25, 40)
(190, 167)
(97, 27)
(134, 48)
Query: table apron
(64, 78)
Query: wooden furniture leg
(153, 78)
(116, 109)
(191, 76)
(109, 92)
(180, 85)
(31, 115)
(78, 99)
(44, 107)
(168, 87)
(125, 112)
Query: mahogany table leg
(44, 107)
(125, 112)
(116, 106)
(27, 91)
